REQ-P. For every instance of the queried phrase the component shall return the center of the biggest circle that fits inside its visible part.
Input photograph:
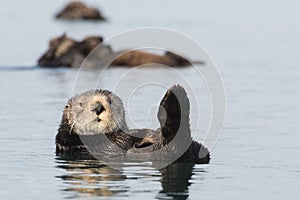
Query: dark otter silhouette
(75, 10)
(95, 121)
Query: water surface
(255, 45)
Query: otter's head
(94, 112)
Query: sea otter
(64, 51)
(96, 118)
(76, 10)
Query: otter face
(95, 112)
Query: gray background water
(255, 45)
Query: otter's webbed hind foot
(173, 113)
(173, 116)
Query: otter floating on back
(96, 118)
(64, 51)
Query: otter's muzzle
(97, 108)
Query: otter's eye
(80, 104)
(66, 106)
(109, 101)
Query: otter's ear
(173, 113)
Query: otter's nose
(98, 108)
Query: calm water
(255, 45)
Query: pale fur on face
(84, 121)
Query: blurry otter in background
(94, 123)
(66, 52)
(76, 10)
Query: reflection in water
(84, 178)
(91, 177)
(175, 180)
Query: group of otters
(93, 123)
